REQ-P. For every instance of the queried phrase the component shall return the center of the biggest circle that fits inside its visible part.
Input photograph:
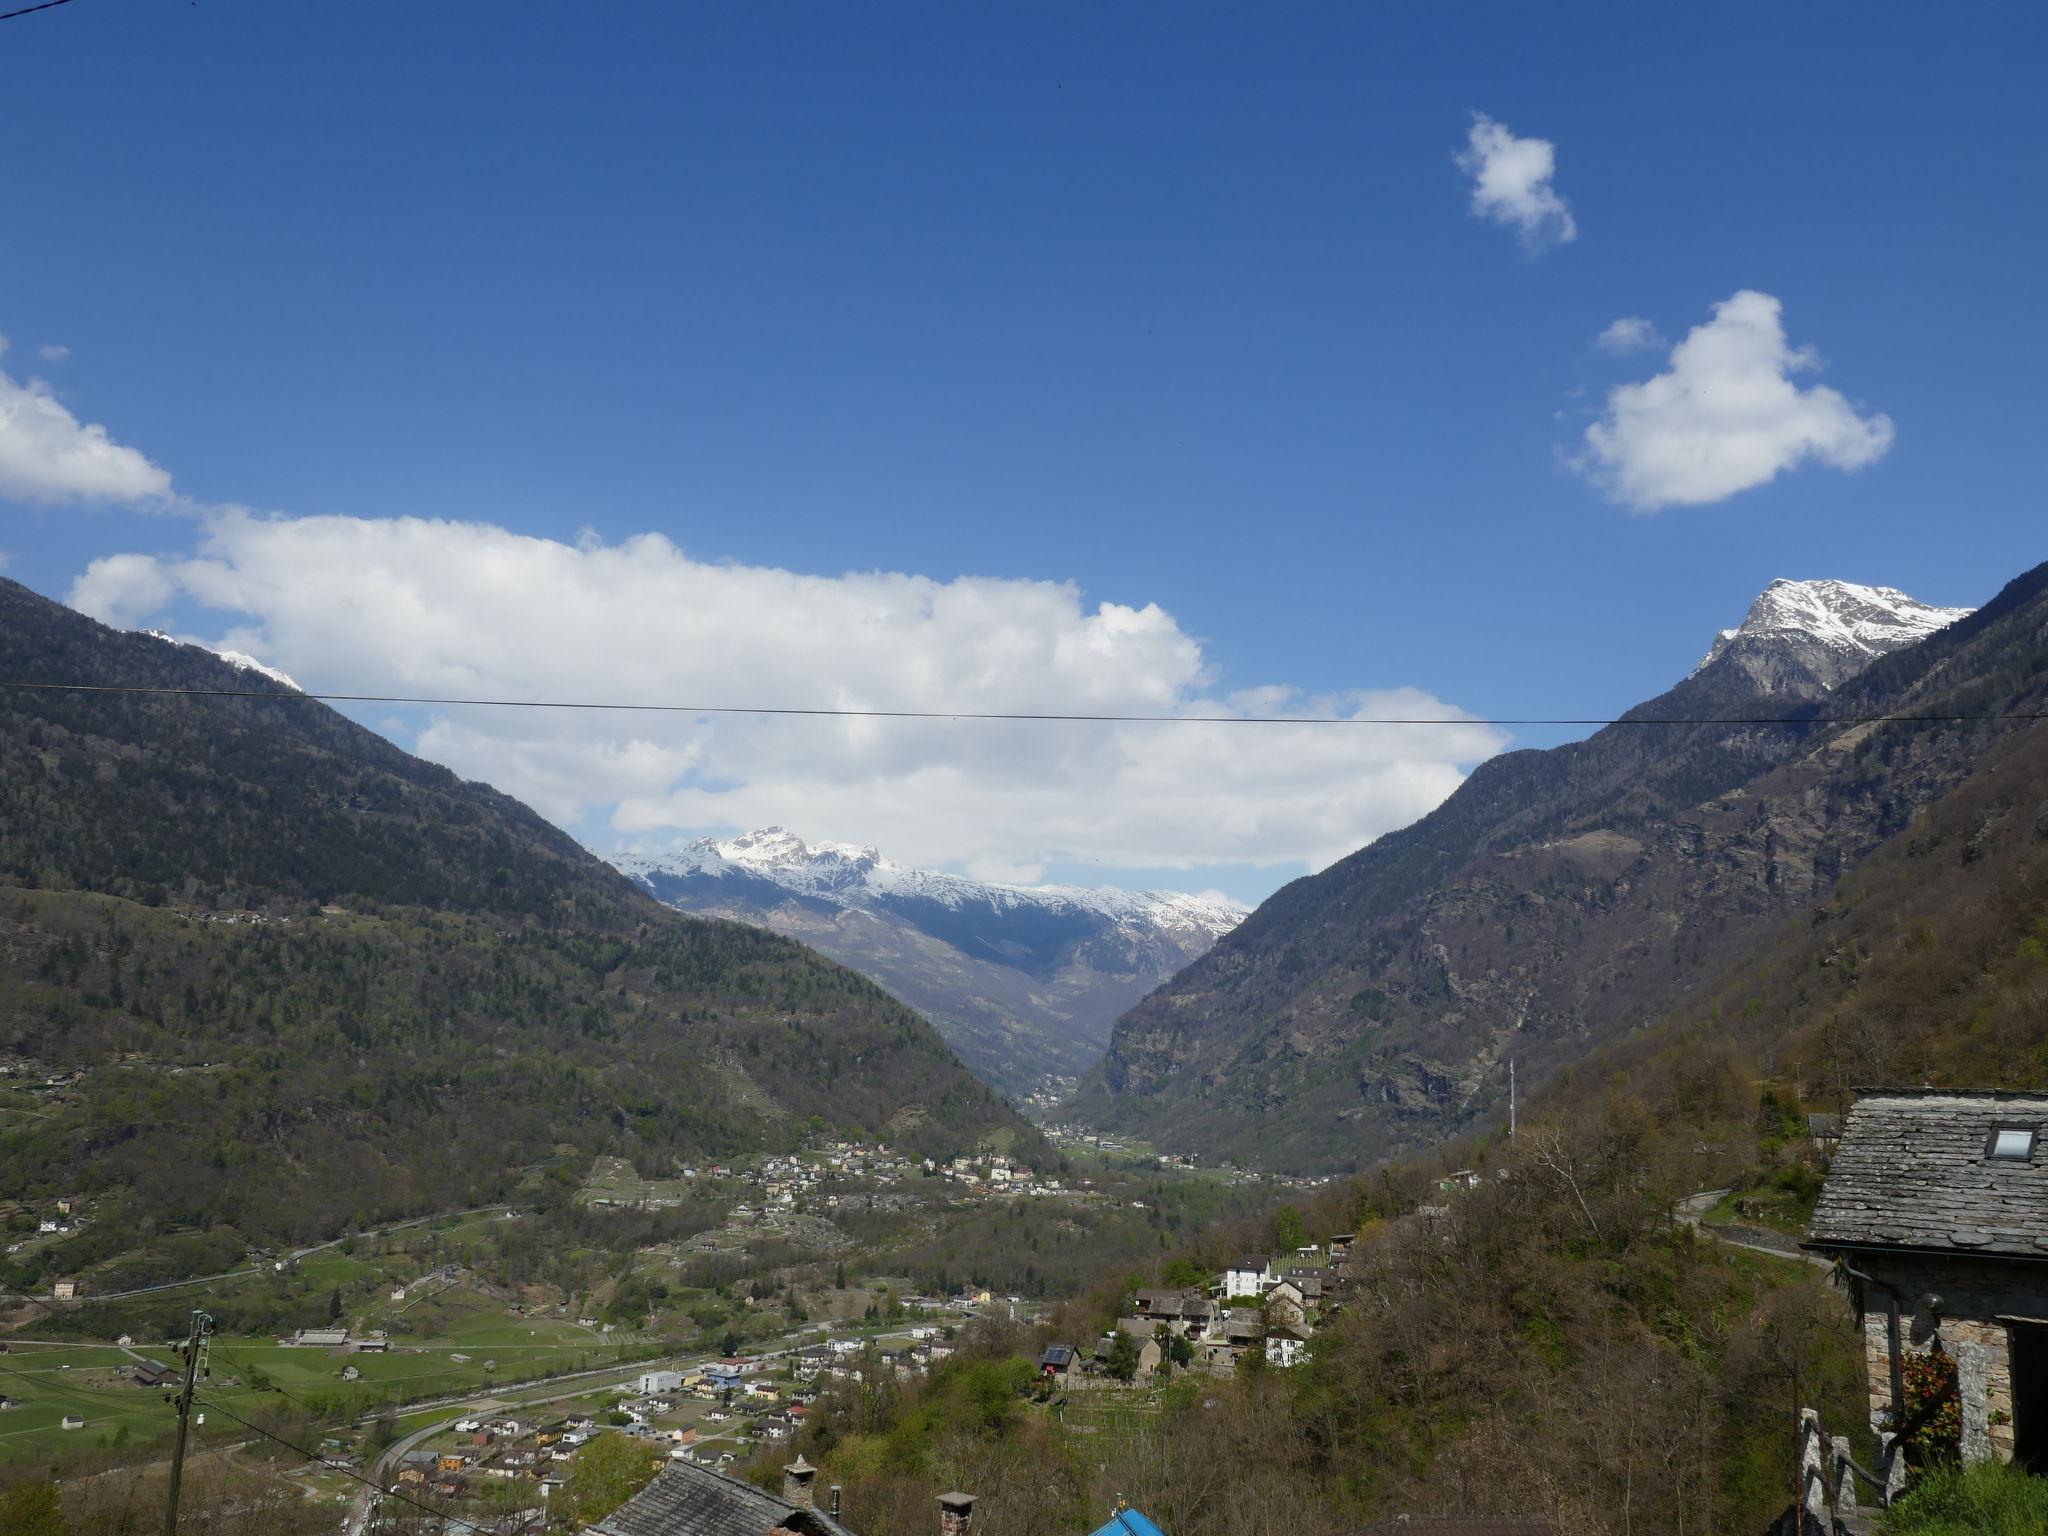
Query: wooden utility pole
(200, 1324)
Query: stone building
(1937, 1205)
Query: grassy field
(49, 1381)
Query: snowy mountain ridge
(846, 874)
(1024, 981)
(1851, 625)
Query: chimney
(835, 1501)
(956, 1514)
(796, 1482)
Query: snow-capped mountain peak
(1835, 627)
(848, 874)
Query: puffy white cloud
(1511, 184)
(48, 455)
(412, 606)
(1725, 415)
(1631, 333)
(122, 590)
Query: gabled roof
(688, 1500)
(1913, 1172)
(1254, 1261)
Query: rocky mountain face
(1563, 898)
(394, 991)
(1798, 633)
(1023, 981)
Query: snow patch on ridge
(241, 661)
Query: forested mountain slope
(1558, 900)
(260, 968)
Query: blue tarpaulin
(1128, 1522)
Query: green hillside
(263, 975)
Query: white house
(652, 1383)
(1286, 1344)
(1249, 1277)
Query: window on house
(2015, 1142)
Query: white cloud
(50, 352)
(48, 455)
(412, 606)
(123, 590)
(1631, 333)
(1724, 416)
(1511, 184)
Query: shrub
(1984, 1500)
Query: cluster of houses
(505, 1449)
(860, 1360)
(1260, 1304)
(788, 1182)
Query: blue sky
(1186, 306)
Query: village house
(1248, 1278)
(152, 1373)
(1309, 1282)
(1143, 1331)
(1056, 1365)
(1283, 1303)
(1286, 1343)
(1936, 1205)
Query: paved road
(1692, 1210)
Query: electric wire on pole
(202, 1325)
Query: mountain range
(1562, 899)
(263, 975)
(1023, 981)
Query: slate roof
(1911, 1172)
(688, 1500)
(1161, 1303)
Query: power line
(1044, 716)
(30, 10)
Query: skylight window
(2014, 1142)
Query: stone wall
(1974, 1294)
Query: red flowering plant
(1933, 1429)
